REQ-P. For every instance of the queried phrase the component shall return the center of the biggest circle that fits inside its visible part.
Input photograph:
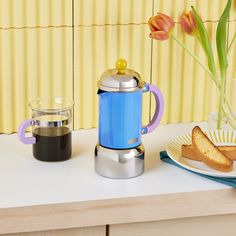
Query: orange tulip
(188, 23)
(160, 26)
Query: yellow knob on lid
(121, 65)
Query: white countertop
(25, 181)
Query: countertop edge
(117, 211)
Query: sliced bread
(209, 153)
(189, 152)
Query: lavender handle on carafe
(158, 111)
(21, 132)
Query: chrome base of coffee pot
(119, 164)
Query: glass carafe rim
(51, 104)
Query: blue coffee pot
(120, 153)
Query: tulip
(188, 23)
(160, 26)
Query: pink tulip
(188, 23)
(160, 26)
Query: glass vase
(224, 116)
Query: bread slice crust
(188, 151)
(209, 153)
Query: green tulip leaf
(221, 40)
(205, 41)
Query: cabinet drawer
(204, 226)
(87, 231)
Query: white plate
(218, 137)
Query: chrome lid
(120, 79)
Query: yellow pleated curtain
(61, 47)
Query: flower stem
(220, 106)
(194, 57)
(231, 43)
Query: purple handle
(21, 132)
(159, 108)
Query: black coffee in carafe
(52, 144)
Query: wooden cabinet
(194, 226)
(204, 226)
(87, 231)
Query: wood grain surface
(87, 231)
(204, 226)
(117, 211)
